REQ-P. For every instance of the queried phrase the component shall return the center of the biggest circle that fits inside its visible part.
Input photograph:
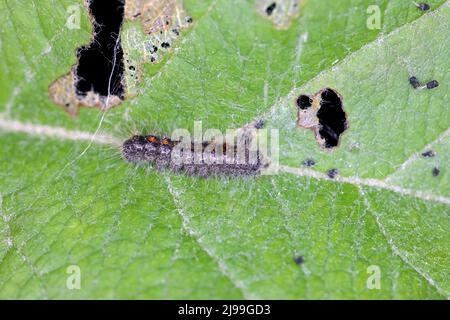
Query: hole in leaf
(100, 67)
(332, 118)
(304, 102)
(324, 114)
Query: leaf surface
(137, 233)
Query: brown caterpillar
(203, 159)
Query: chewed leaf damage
(97, 79)
(63, 92)
(280, 12)
(157, 26)
(109, 68)
(324, 114)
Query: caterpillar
(203, 159)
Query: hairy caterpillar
(203, 159)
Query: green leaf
(68, 198)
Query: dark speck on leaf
(435, 172)
(423, 6)
(332, 173)
(259, 124)
(428, 154)
(432, 84)
(189, 20)
(165, 45)
(309, 163)
(299, 260)
(269, 9)
(414, 82)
